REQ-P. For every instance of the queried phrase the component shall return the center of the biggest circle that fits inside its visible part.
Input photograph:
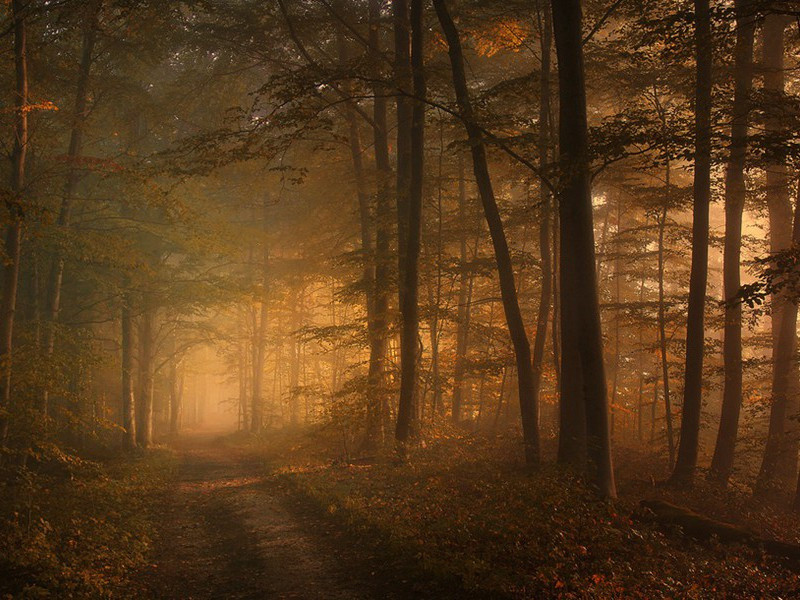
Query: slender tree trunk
(686, 462)
(735, 193)
(378, 343)
(128, 402)
(640, 403)
(55, 277)
(462, 331)
(508, 290)
(580, 312)
(409, 298)
(778, 465)
(617, 318)
(662, 324)
(13, 238)
(294, 367)
(403, 105)
(781, 378)
(260, 335)
(144, 416)
(545, 219)
(175, 397)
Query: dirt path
(230, 532)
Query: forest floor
(465, 508)
(230, 529)
(293, 515)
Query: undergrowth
(465, 507)
(82, 530)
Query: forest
(399, 299)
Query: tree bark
(409, 298)
(376, 411)
(546, 291)
(128, 401)
(580, 312)
(144, 406)
(403, 83)
(778, 464)
(56, 275)
(13, 237)
(508, 290)
(465, 280)
(260, 337)
(735, 193)
(686, 462)
(175, 396)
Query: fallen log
(703, 528)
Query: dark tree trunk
(13, 237)
(409, 298)
(144, 406)
(55, 277)
(128, 403)
(465, 280)
(735, 192)
(686, 461)
(662, 323)
(376, 324)
(403, 83)
(546, 291)
(778, 464)
(508, 290)
(378, 343)
(175, 396)
(259, 349)
(580, 312)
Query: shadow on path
(227, 531)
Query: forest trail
(231, 531)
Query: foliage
(81, 532)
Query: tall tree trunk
(13, 238)
(403, 83)
(128, 402)
(244, 408)
(781, 378)
(735, 193)
(144, 406)
(777, 465)
(465, 280)
(378, 343)
(617, 316)
(375, 324)
(409, 298)
(508, 290)
(580, 312)
(175, 396)
(686, 462)
(55, 277)
(662, 323)
(260, 335)
(294, 367)
(545, 219)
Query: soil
(228, 529)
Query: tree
(409, 296)
(580, 314)
(686, 462)
(780, 453)
(508, 289)
(14, 206)
(735, 192)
